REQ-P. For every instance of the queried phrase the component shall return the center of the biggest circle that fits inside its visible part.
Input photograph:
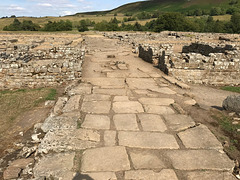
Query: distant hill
(168, 6)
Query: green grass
(19, 101)
(231, 88)
(225, 123)
(170, 5)
(52, 94)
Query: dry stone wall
(44, 61)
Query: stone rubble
(40, 60)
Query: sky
(39, 8)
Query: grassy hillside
(171, 5)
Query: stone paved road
(119, 124)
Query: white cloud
(64, 13)
(70, 5)
(15, 8)
(87, 7)
(45, 4)
(80, 1)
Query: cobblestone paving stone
(126, 127)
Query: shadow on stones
(82, 177)
(218, 108)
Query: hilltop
(169, 6)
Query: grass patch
(230, 134)
(51, 95)
(225, 123)
(15, 103)
(231, 88)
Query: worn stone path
(118, 123)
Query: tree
(235, 22)
(29, 26)
(83, 26)
(137, 27)
(170, 22)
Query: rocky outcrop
(232, 103)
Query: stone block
(126, 122)
(105, 159)
(97, 107)
(148, 140)
(152, 122)
(96, 122)
(127, 107)
(199, 137)
(200, 159)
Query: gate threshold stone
(147, 140)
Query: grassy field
(75, 19)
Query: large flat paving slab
(156, 101)
(96, 122)
(107, 82)
(164, 174)
(125, 122)
(200, 159)
(178, 122)
(97, 97)
(120, 98)
(146, 160)
(210, 175)
(58, 165)
(58, 122)
(149, 140)
(127, 107)
(110, 138)
(199, 137)
(67, 140)
(114, 92)
(97, 107)
(105, 159)
(141, 83)
(162, 90)
(152, 122)
(99, 176)
(153, 109)
(72, 104)
(81, 89)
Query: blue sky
(55, 7)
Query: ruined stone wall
(30, 66)
(151, 53)
(214, 69)
(201, 58)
